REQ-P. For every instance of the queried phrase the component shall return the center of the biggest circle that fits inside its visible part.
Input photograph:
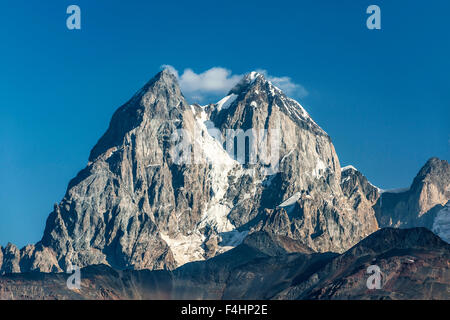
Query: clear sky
(382, 95)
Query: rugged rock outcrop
(301, 198)
(360, 193)
(418, 205)
(31, 257)
(11, 259)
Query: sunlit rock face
(418, 205)
(302, 198)
(441, 224)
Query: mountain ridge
(148, 200)
(414, 265)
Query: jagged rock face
(303, 199)
(357, 188)
(360, 193)
(160, 188)
(11, 259)
(419, 205)
(31, 257)
(134, 206)
(115, 209)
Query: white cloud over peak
(286, 84)
(217, 81)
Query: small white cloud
(286, 84)
(197, 87)
(214, 80)
(217, 82)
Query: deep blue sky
(383, 96)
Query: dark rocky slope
(414, 263)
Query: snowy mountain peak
(349, 167)
(165, 78)
(160, 98)
(253, 75)
(247, 82)
(254, 91)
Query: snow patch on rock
(319, 169)
(441, 224)
(226, 102)
(349, 167)
(209, 150)
(291, 200)
(186, 248)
